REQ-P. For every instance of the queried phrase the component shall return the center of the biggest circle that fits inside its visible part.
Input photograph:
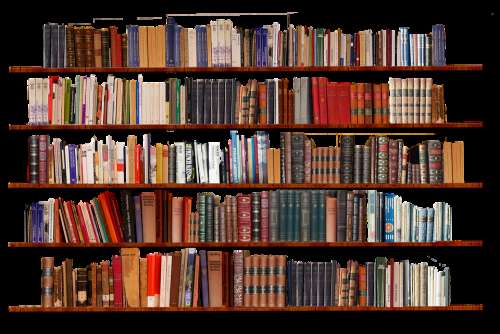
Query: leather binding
(254, 290)
(238, 291)
(261, 275)
(215, 277)
(159, 215)
(370, 291)
(322, 95)
(393, 160)
(377, 103)
(362, 293)
(423, 163)
(247, 280)
(175, 279)
(81, 286)
(209, 216)
(384, 90)
(47, 282)
(105, 44)
(346, 167)
(43, 158)
(264, 216)
(107, 289)
(358, 163)
(70, 45)
(368, 103)
(255, 215)
(68, 282)
(361, 102)
(99, 301)
(382, 158)
(435, 158)
(297, 157)
(354, 103)
(353, 283)
(33, 159)
(117, 281)
(244, 217)
(307, 160)
(79, 47)
(88, 40)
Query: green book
(178, 101)
(291, 217)
(380, 268)
(283, 228)
(314, 215)
(100, 219)
(201, 210)
(296, 215)
(321, 216)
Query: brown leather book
(79, 47)
(349, 219)
(143, 282)
(244, 218)
(307, 160)
(280, 272)
(130, 276)
(276, 165)
(361, 102)
(280, 102)
(384, 93)
(97, 48)
(148, 204)
(291, 106)
(271, 281)
(89, 46)
(238, 274)
(262, 99)
(262, 270)
(98, 284)
(247, 280)
(255, 280)
(93, 274)
(362, 285)
(377, 103)
(68, 282)
(214, 262)
(105, 283)
(47, 282)
(175, 280)
(227, 280)
(58, 286)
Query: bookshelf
(190, 129)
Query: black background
(472, 35)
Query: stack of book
(191, 278)
(309, 100)
(221, 44)
(245, 160)
(266, 216)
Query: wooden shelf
(215, 127)
(438, 244)
(229, 186)
(90, 309)
(235, 70)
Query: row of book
(309, 100)
(191, 278)
(266, 216)
(221, 44)
(244, 160)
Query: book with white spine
(180, 175)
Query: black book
(255, 215)
(321, 283)
(209, 216)
(128, 213)
(346, 159)
(221, 102)
(232, 114)
(334, 282)
(188, 101)
(341, 215)
(370, 284)
(54, 42)
(314, 284)
(192, 91)
(225, 118)
(327, 295)
(203, 98)
(307, 283)
(299, 284)
(214, 93)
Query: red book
(115, 215)
(108, 217)
(323, 110)
(264, 216)
(244, 220)
(331, 103)
(138, 165)
(116, 263)
(262, 91)
(361, 102)
(315, 100)
(81, 222)
(73, 231)
(113, 32)
(187, 203)
(52, 79)
(344, 99)
(354, 103)
(368, 103)
(151, 280)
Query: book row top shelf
(238, 70)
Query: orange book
(362, 285)
(214, 268)
(276, 166)
(377, 103)
(270, 162)
(262, 92)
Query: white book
(235, 49)
(45, 101)
(428, 100)
(38, 100)
(325, 49)
(50, 204)
(191, 35)
(275, 29)
(163, 281)
(392, 100)
(422, 107)
(139, 97)
(214, 158)
(393, 45)
(399, 104)
(213, 33)
(412, 48)
(372, 197)
(228, 25)
(219, 52)
(161, 103)
(146, 140)
(91, 160)
(168, 279)
(120, 162)
(204, 161)
(31, 94)
(404, 101)
(180, 156)
(110, 86)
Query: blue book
(138, 218)
(188, 301)
(137, 103)
(314, 215)
(421, 224)
(204, 46)
(258, 61)
(198, 45)
(170, 42)
(234, 153)
(389, 217)
(321, 226)
(265, 48)
(72, 163)
(430, 225)
(41, 227)
(291, 215)
(204, 278)
(34, 222)
(177, 46)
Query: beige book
(130, 276)
(143, 46)
(447, 162)
(143, 281)
(151, 40)
(209, 45)
(177, 218)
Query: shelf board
(229, 186)
(214, 127)
(235, 70)
(438, 244)
(90, 309)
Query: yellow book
(159, 163)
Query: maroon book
(393, 160)
(116, 264)
(42, 158)
(244, 219)
(264, 216)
